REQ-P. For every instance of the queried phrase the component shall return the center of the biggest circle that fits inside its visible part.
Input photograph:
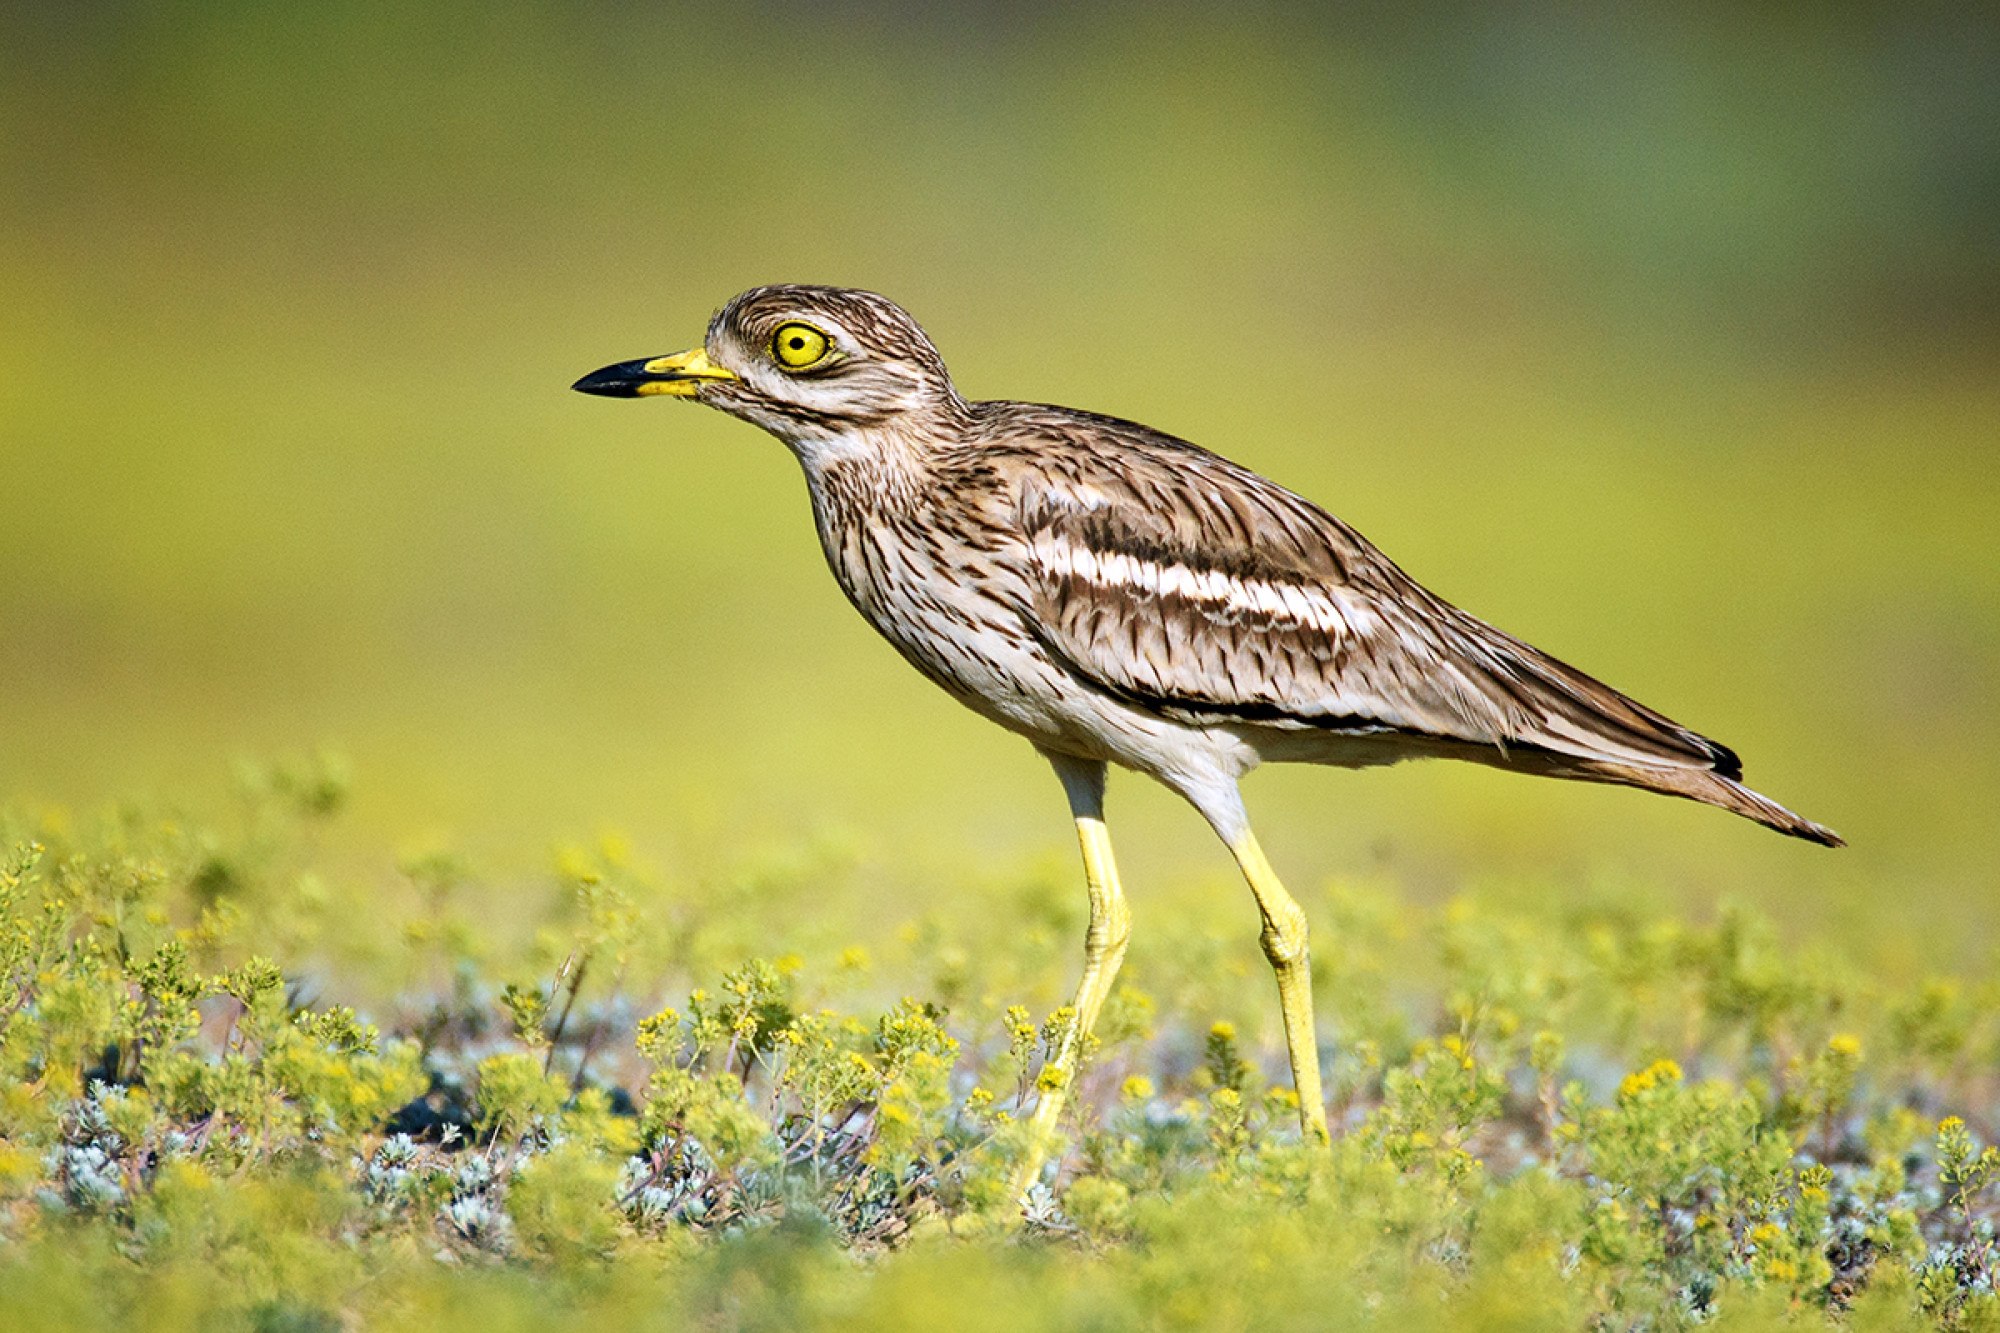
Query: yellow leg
(1103, 950)
(1284, 940)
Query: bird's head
(804, 363)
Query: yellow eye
(796, 346)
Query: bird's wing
(1181, 582)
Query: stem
(569, 1002)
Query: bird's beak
(676, 376)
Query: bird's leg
(1284, 940)
(1103, 950)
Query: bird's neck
(862, 468)
(892, 459)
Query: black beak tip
(617, 381)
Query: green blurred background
(1670, 342)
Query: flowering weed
(1560, 1119)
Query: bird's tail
(1712, 788)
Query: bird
(1117, 595)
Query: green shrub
(1563, 1118)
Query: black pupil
(798, 344)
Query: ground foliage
(1567, 1118)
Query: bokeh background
(1667, 340)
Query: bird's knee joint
(1285, 943)
(1108, 934)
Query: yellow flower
(1652, 1076)
(1138, 1088)
(614, 847)
(573, 862)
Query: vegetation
(1568, 1117)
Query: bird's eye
(796, 346)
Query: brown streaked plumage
(1118, 595)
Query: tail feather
(1585, 729)
(1712, 788)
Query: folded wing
(1187, 585)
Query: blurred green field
(1666, 343)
